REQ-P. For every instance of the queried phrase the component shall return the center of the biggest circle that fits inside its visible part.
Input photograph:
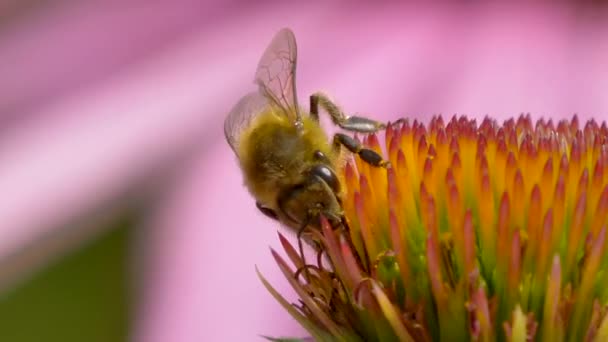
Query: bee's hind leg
(367, 155)
(349, 123)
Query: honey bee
(287, 160)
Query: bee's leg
(349, 123)
(369, 156)
(347, 234)
(266, 211)
(301, 248)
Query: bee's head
(316, 195)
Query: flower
(477, 232)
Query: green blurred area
(83, 296)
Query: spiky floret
(477, 232)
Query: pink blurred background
(103, 102)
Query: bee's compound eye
(327, 175)
(266, 211)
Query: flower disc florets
(477, 232)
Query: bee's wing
(276, 73)
(241, 115)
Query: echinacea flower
(476, 233)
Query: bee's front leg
(266, 211)
(349, 123)
(367, 155)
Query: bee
(288, 163)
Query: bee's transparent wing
(276, 73)
(241, 115)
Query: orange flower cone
(476, 233)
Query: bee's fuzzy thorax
(273, 153)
